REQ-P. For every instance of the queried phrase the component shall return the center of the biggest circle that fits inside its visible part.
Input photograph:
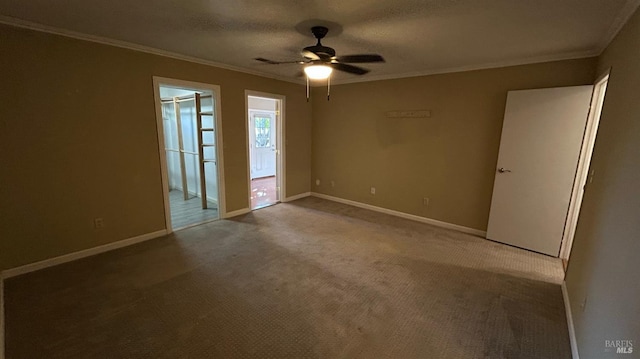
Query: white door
(539, 148)
(262, 137)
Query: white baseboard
(412, 217)
(297, 196)
(572, 331)
(32, 267)
(236, 213)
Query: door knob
(503, 170)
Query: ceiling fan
(320, 60)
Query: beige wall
(449, 157)
(78, 141)
(605, 261)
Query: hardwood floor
(263, 192)
(185, 213)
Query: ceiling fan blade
(271, 62)
(349, 68)
(360, 58)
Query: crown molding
(494, 65)
(620, 20)
(12, 21)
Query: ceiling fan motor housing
(319, 32)
(321, 50)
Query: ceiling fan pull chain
(307, 77)
(328, 87)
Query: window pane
(263, 132)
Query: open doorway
(583, 175)
(188, 118)
(265, 138)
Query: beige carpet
(309, 279)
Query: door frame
(280, 142)
(584, 162)
(215, 90)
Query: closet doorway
(265, 138)
(188, 121)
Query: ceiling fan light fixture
(318, 72)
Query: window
(263, 132)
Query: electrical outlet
(333, 183)
(425, 201)
(317, 182)
(373, 190)
(98, 223)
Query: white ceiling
(415, 36)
